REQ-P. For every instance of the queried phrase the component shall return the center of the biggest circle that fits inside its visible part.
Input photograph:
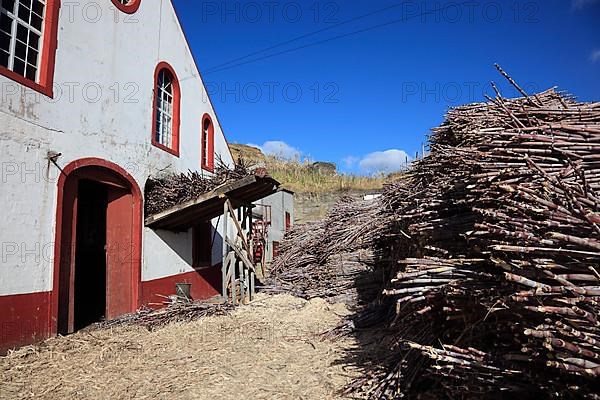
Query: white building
(96, 98)
(273, 216)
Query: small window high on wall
(167, 99)
(127, 6)
(28, 30)
(207, 153)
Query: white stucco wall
(104, 78)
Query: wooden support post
(241, 280)
(232, 282)
(247, 286)
(251, 284)
(225, 253)
(244, 211)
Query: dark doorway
(202, 246)
(90, 254)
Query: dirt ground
(267, 350)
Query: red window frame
(176, 109)
(209, 164)
(45, 83)
(288, 221)
(128, 8)
(275, 249)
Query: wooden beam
(252, 283)
(240, 253)
(232, 282)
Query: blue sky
(366, 80)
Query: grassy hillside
(302, 177)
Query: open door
(119, 258)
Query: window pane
(20, 50)
(32, 57)
(5, 42)
(22, 33)
(36, 22)
(34, 40)
(19, 67)
(38, 7)
(5, 23)
(24, 11)
(3, 59)
(31, 72)
(8, 5)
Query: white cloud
(581, 4)
(595, 56)
(384, 161)
(350, 161)
(279, 149)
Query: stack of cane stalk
(330, 258)
(491, 249)
(496, 284)
(170, 190)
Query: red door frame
(64, 247)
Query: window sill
(45, 90)
(165, 148)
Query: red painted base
(205, 283)
(24, 319)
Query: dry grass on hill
(269, 349)
(300, 176)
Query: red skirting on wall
(205, 283)
(24, 319)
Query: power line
(304, 36)
(336, 37)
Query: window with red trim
(28, 30)
(288, 221)
(208, 144)
(167, 98)
(127, 6)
